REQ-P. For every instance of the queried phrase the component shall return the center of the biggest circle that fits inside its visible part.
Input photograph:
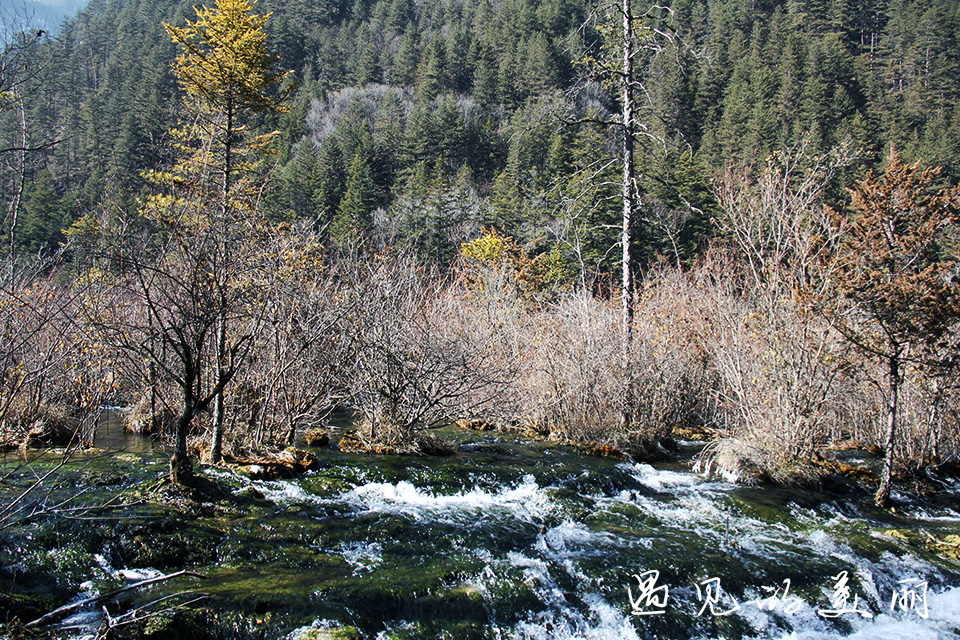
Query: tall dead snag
(631, 42)
(893, 293)
(629, 178)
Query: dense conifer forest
(411, 212)
(423, 120)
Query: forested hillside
(415, 214)
(423, 120)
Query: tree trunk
(628, 204)
(882, 499)
(216, 438)
(14, 208)
(181, 468)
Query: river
(520, 539)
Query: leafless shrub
(572, 376)
(781, 392)
(301, 352)
(773, 224)
(573, 380)
(422, 354)
(929, 426)
(52, 377)
(671, 376)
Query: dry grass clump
(397, 443)
(29, 425)
(670, 374)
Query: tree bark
(882, 498)
(14, 208)
(628, 206)
(181, 468)
(216, 438)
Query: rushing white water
(526, 502)
(942, 623)
(365, 556)
(551, 555)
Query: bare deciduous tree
(422, 354)
(175, 274)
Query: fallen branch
(132, 618)
(938, 541)
(59, 613)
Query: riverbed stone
(336, 633)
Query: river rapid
(531, 540)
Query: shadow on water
(112, 436)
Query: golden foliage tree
(188, 295)
(228, 75)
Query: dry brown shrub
(53, 377)
(422, 354)
(571, 384)
(929, 421)
(574, 381)
(782, 391)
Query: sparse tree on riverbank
(228, 76)
(893, 287)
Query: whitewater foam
(943, 623)
(526, 502)
(364, 556)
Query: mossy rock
(845, 470)
(25, 607)
(354, 443)
(600, 450)
(316, 437)
(430, 445)
(323, 486)
(337, 633)
(168, 543)
(946, 547)
(196, 624)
